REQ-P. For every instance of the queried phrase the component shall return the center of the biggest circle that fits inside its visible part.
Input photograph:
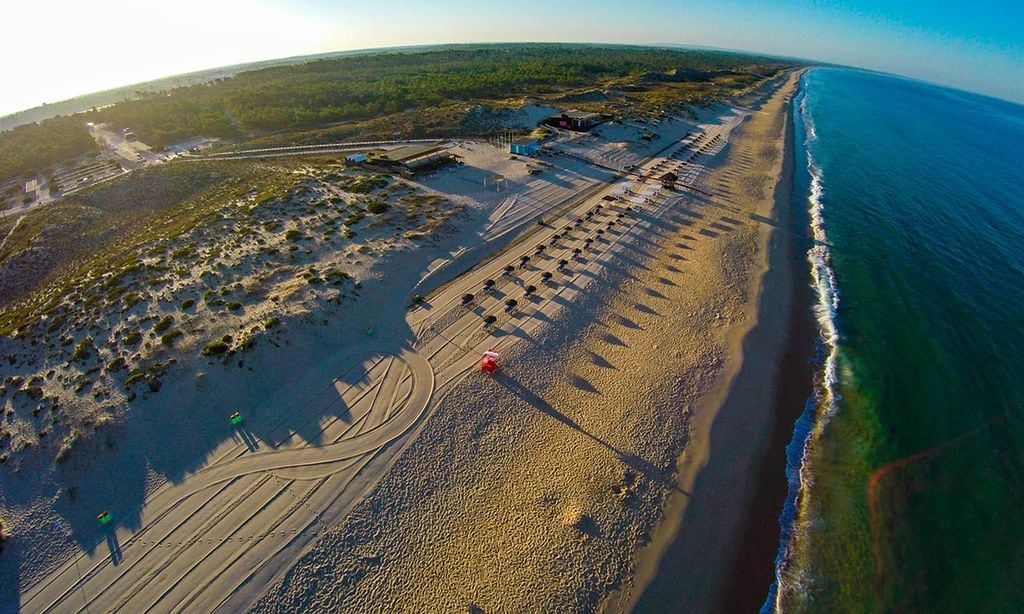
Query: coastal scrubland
(102, 293)
(182, 275)
(410, 93)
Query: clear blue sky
(98, 44)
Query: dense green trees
(302, 96)
(360, 87)
(31, 148)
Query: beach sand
(544, 488)
(733, 469)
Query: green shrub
(164, 323)
(182, 252)
(185, 304)
(271, 322)
(235, 306)
(133, 337)
(83, 350)
(215, 347)
(116, 365)
(293, 235)
(169, 337)
(378, 206)
(336, 276)
(55, 324)
(136, 376)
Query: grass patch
(377, 207)
(215, 348)
(170, 336)
(165, 323)
(101, 231)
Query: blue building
(524, 147)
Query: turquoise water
(907, 467)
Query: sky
(52, 50)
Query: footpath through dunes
(202, 538)
(531, 490)
(220, 535)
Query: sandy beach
(376, 468)
(731, 469)
(532, 490)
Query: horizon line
(297, 59)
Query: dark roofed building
(580, 121)
(416, 156)
(669, 179)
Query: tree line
(28, 149)
(302, 96)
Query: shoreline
(715, 513)
(754, 563)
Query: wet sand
(734, 468)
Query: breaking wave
(822, 404)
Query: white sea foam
(790, 577)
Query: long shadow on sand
(633, 461)
(111, 471)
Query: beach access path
(216, 538)
(531, 490)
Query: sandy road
(214, 539)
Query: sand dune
(527, 491)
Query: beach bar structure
(668, 180)
(414, 157)
(524, 147)
(580, 121)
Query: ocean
(906, 469)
